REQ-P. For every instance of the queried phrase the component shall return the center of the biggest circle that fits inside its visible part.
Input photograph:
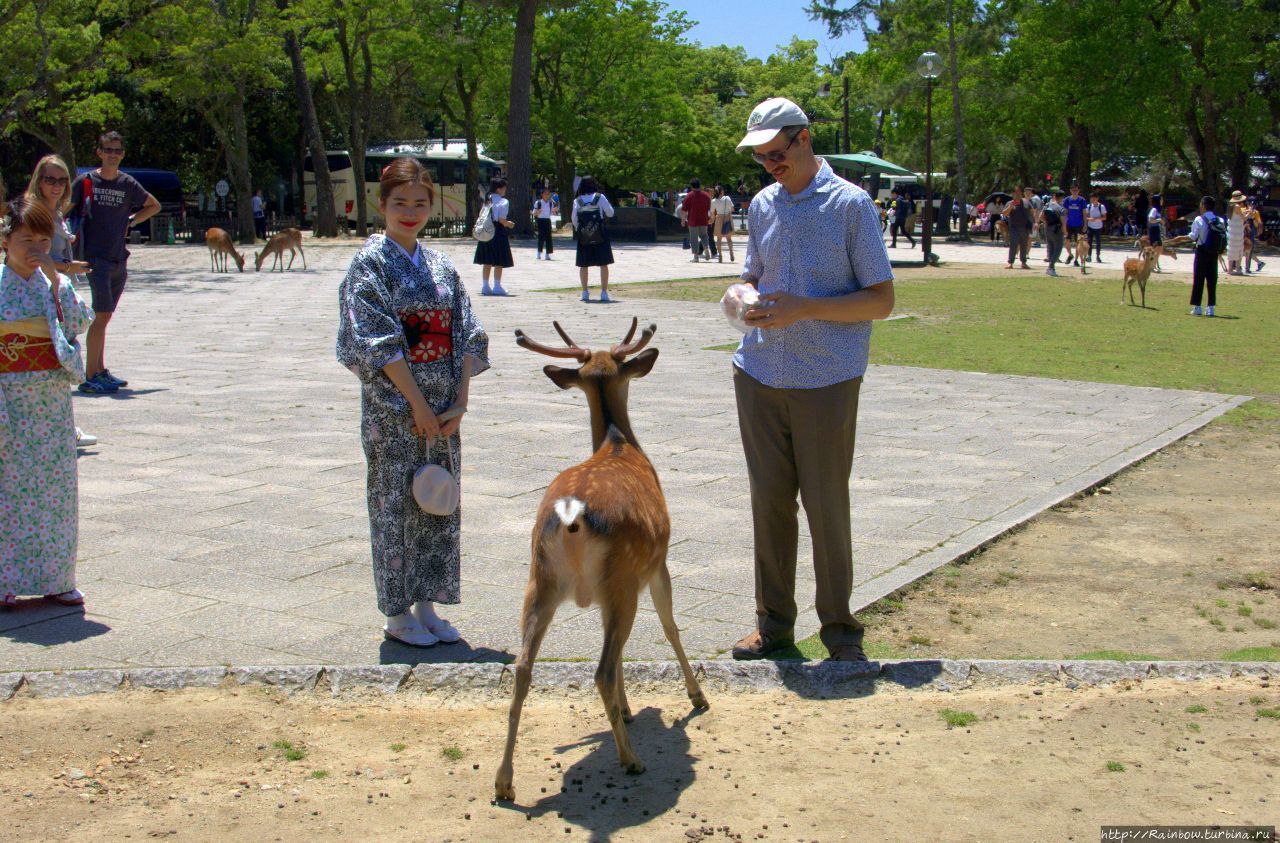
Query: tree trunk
(473, 187)
(238, 163)
(519, 130)
(564, 179)
(878, 148)
(326, 224)
(957, 114)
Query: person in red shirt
(697, 209)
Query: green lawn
(1067, 328)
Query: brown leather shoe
(757, 645)
(847, 653)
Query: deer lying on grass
(601, 535)
(220, 245)
(1137, 271)
(288, 238)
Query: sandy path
(205, 765)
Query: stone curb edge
(809, 679)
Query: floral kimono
(39, 362)
(395, 307)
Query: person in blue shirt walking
(1074, 205)
(815, 254)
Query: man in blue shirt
(1205, 234)
(815, 253)
(1074, 205)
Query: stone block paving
(223, 518)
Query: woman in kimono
(40, 359)
(407, 331)
(51, 184)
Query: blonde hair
(33, 186)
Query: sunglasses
(55, 181)
(113, 150)
(778, 155)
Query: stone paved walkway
(223, 516)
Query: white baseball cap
(768, 118)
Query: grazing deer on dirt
(288, 238)
(1137, 271)
(601, 535)
(220, 245)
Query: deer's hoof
(699, 701)
(503, 788)
(634, 768)
(627, 717)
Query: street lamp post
(929, 65)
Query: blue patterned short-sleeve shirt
(822, 242)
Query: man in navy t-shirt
(107, 204)
(1074, 205)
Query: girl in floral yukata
(407, 331)
(40, 359)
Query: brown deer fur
(288, 238)
(1137, 271)
(220, 245)
(600, 536)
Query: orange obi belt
(25, 346)
(429, 334)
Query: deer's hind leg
(540, 603)
(619, 615)
(660, 591)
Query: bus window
(449, 173)
(337, 162)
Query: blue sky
(760, 26)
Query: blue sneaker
(97, 386)
(106, 375)
(1195, 311)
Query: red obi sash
(25, 353)
(429, 333)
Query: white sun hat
(768, 118)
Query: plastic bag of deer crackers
(737, 300)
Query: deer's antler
(626, 348)
(582, 355)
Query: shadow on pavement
(45, 623)
(392, 652)
(595, 793)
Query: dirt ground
(1035, 764)
(1180, 560)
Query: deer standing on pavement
(601, 535)
(287, 238)
(220, 245)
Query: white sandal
(411, 635)
(440, 628)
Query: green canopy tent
(867, 163)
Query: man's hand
(777, 310)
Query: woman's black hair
(495, 183)
(587, 185)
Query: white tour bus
(447, 163)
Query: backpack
(1052, 219)
(484, 228)
(1217, 239)
(590, 223)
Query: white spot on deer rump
(569, 510)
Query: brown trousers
(801, 441)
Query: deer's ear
(641, 364)
(561, 377)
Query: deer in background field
(288, 238)
(600, 536)
(220, 245)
